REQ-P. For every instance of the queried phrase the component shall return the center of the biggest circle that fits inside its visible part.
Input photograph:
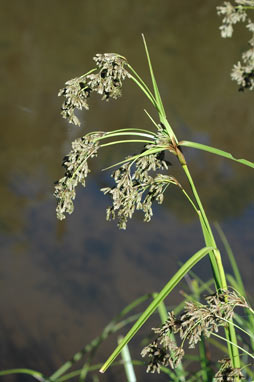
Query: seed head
(105, 80)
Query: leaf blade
(156, 302)
(215, 151)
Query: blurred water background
(61, 282)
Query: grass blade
(215, 151)
(156, 302)
(155, 86)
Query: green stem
(218, 270)
(245, 7)
(207, 234)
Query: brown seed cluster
(227, 373)
(197, 320)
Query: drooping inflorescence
(106, 79)
(138, 181)
(76, 171)
(138, 184)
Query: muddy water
(62, 282)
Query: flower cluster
(243, 71)
(108, 82)
(227, 373)
(163, 352)
(105, 80)
(196, 320)
(232, 14)
(76, 171)
(136, 188)
(76, 93)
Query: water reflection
(62, 282)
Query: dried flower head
(158, 357)
(105, 80)
(76, 171)
(197, 320)
(108, 82)
(76, 93)
(231, 15)
(227, 373)
(162, 352)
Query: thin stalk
(151, 119)
(116, 134)
(128, 129)
(205, 370)
(151, 98)
(191, 201)
(244, 7)
(142, 82)
(232, 260)
(237, 326)
(126, 141)
(134, 157)
(236, 346)
(127, 362)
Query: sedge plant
(140, 179)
